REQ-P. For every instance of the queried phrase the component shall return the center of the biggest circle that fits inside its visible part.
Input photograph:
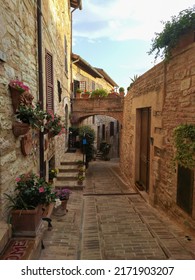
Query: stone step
(72, 185)
(66, 178)
(67, 170)
(69, 163)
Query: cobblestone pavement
(109, 220)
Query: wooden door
(145, 147)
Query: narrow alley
(109, 220)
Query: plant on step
(63, 193)
(53, 173)
(173, 30)
(80, 178)
(184, 139)
(31, 191)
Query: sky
(116, 35)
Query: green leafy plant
(99, 93)
(173, 30)
(31, 115)
(121, 89)
(184, 138)
(54, 124)
(31, 191)
(63, 193)
(133, 80)
(53, 173)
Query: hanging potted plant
(30, 197)
(53, 125)
(17, 88)
(28, 117)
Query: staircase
(67, 176)
(99, 155)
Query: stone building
(35, 47)
(89, 78)
(159, 101)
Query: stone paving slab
(109, 220)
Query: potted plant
(52, 174)
(80, 179)
(30, 197)
(121, 91)
(62, 195)
(98, 93)
(78, 93)
(28, 117)
(85, 94)
(53, 125)
(17, 90)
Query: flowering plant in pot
(53, 125)
(31, 191)
(18, 85)
(28, 202)
(53, 173)
(19, 93)
(62, 195)
(33, 116)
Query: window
(49, 81)
(59, 92)
(82, 85)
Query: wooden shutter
(49, 81)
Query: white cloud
(125, 19)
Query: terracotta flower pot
(15, 95)
(26, 222)
(20, 128)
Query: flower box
(26, 222)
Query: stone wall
(18, 47)
(169, 90)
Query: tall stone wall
(169, 90)
(19, 60)
(17, 42)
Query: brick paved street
(109, 220)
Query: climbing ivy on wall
(169, 37)
(184, 138)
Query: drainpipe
(40, 77)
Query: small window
(82, 85)
(59, 92)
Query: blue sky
(117, 34)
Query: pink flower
(18, 179)
(41, 189)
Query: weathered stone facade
(168, 91)
(18, 47)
